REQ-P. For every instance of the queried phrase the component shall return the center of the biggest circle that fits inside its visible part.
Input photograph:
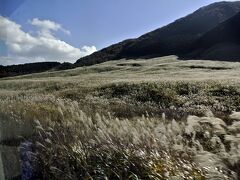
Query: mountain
(211, 32)
(175, 38)
(220, 43)
(29, 68)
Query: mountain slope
(174, 38)
(221, 43)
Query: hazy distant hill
(221, 43)
(29, 68)
(174, 38)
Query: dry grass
(115, 120)
(68, 143)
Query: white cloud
(46, 27)
(24, 47)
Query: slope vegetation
(155, 119)
(221, 43)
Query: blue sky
(73, 24)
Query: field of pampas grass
(112, 121)
(74, 145)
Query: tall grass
(139, 122)
(69, 144)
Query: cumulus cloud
(45, 46)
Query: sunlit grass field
(159, 118)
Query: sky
(64, 31)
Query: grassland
(130, 119)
